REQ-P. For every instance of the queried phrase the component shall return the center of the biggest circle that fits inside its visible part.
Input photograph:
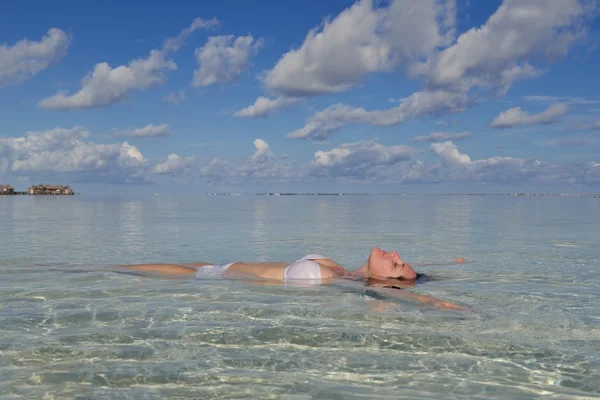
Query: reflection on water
(71, 328)
(131, 226)
(259, 233)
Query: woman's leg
(162, 268)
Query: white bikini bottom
(212, 271)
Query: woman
(382, 270)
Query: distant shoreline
(596, 195)
(35, 194)
(404, 194)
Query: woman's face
(389, 265)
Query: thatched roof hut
(6, 189)
(50, 189)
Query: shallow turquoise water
(71, 328)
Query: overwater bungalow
(6, 190)
(50, 190)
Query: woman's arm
(386, 291)
(459, 260)
(170, 269)
(419, 298)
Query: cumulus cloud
(442, 136)
(360, 40)
(364, 38)
(68, 151)
(371, 162)
(45, 141)
(481, 61)
(358, 159)
(263, 151)
(106, 85)
(26, 58)
(175, 164)
(150, 131)
(460, 166)
(497, 53)
(70, 154)
(264, 106)
(224, 58)
(449, 153)
(262, 165)
(323, 123)
(516, 116)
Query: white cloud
(484, 59)
(129, 155)
(262, 165)
(264, 106)
(323, 123)
(516, 116)
(150, 131)
(263, 151)
(26, 58)
(67, 151)
(358, 159)
(68, 154)
(596, 125)
(360, 40)
(460, 167)
(224, 58)
(173, 44)
(175, 97)
(449, 153)
(373, 163)
(45, 141)
(442, 136)
(497, 53)
(365, 39)
(107, 85)
(175, 164)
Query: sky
(396, 96)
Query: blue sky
(394, 96)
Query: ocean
(73, 327)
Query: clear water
(71, 328)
